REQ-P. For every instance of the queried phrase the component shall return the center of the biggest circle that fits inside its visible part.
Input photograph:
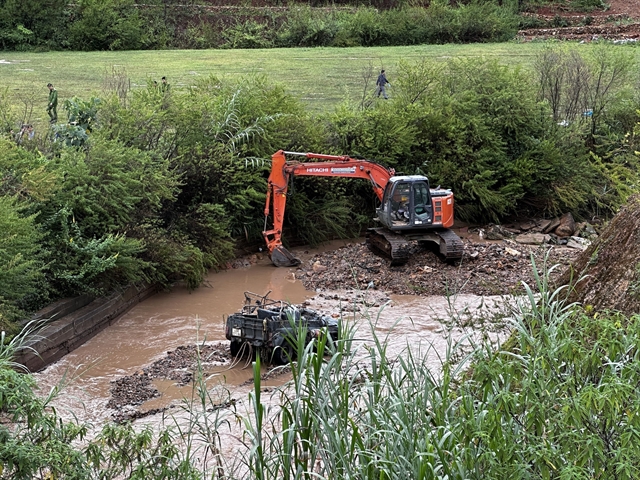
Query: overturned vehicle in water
(271, 327)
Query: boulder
(567, 226)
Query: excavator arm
(325, 166)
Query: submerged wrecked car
(271, 327)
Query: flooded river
(179, 317)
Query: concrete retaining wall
(74, 321)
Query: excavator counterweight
(409, 211)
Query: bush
(108, 191)
(108, 25)
(485, 22)
(25, 25)
(249, 34)
(20, 262)
(304, 27)
(478, 128)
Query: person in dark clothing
(381, 84)
(164, 86)
(52, 108)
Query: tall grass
(560, 402)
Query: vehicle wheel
(282, 355)
(235, 348)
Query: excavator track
(451, 245)
(397, 247)
(391, 245)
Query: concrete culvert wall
(611, 265)
(71, 322)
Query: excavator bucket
(281, 257)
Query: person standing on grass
(52, 108)
(381, 83)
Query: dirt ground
(620, 22)
(487, 268)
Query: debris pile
(178, 365)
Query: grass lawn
(320, 77)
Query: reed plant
(558, 400)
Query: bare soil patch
(498, 268)
(620, 22)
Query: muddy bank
(485, 269)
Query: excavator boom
(425, 214)
(329, 166)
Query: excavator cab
(406, 203)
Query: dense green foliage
(125, 25)
(156, 186)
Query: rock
(533, 238)
(497, 232)
(578, 243)
(567, 226)
(528, 225)
(318, 267)
(543, 224)
(512, 252)
(586, 230)
(553, 224)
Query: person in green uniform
(52, 108)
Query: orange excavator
(409, 210)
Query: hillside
(620, 22)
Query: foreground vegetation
(153, 186)
(558, 400)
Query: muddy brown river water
(179, 317)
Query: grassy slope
(321, 77)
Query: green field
(320, 77)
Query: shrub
(485, 22)
(304, 27)
(20, 261)
(25, 25)
(108, 25)
(249, 34)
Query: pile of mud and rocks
(497, 260)
(179, 365)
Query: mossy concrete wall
(71, 322)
